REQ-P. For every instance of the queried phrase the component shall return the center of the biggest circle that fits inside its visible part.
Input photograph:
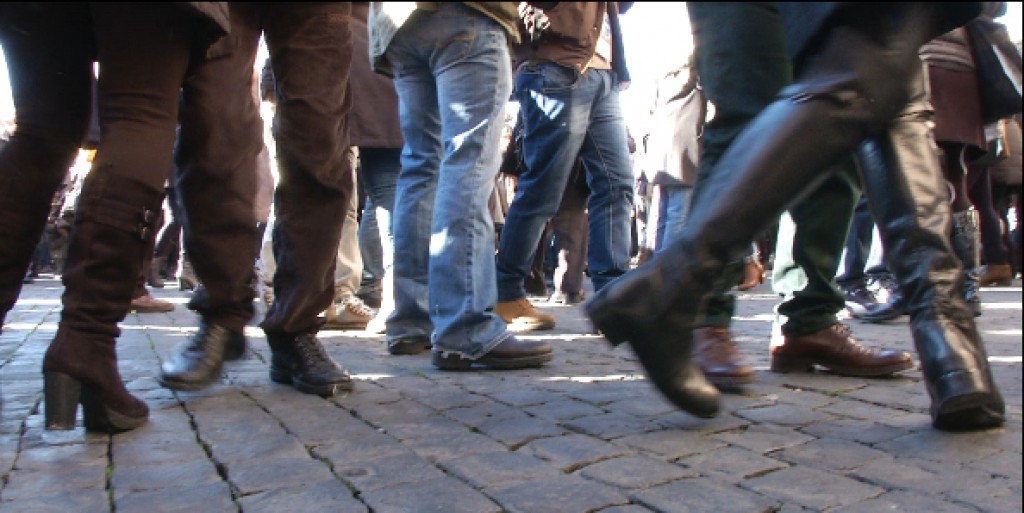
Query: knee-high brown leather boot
(113, 229)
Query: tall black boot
(113, 229)
(966, 242)
(909, 201)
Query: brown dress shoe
(716, 354)
(834, 349)
(149, 304)
(521, 315)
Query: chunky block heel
(783, 364)
(61, 395)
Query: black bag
(999, 69)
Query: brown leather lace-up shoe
(716, 354)
(146, 303)
(837, 351)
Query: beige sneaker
(348, 312)
(521, 315)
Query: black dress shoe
(511, 353)
(302, 362)
(200, 362)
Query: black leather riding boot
(909, 201)
(114, 225)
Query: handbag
(998, 63)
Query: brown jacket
(373, 121)
(573, 33)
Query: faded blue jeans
(566, 114)
(453, 78)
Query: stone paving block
(701, 495)
(911, 475)
(784, 415)
(723, 422)
(436, 449)
(632, 472)
(628, 508)
(764, 438)
(855, 430)
(908, 396)
(857, 409)
(996, 496)
(648, 406)
(812, 488)
(561, 494)
(563, 409)
(474, 416)
(56, 457)
(515, 432)
(1004, 464)
(257, 475)
(259, 447)
(522, 398)
(571, 452)
(603, 393)
(731, 464)
(207, 498)
(840, 455)
(904, 501)
(352, 449)
(940, 446)
(26, 484)
(610, 425)
(448, 397)
(328, 496)
(670, 445)
(143, 452)
(327, 428)
(433, 426)
(125, 480)
(440, 494)
(499, 467)
(79, 501)
(387, 471)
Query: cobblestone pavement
(585, 433)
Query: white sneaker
(348, 312)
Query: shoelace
(358, 307)
(312, 352)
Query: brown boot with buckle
(837, 351)
(715, 352)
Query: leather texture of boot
(200, 362)
(114, 226)
(966, 242)
(909, 202)
(998, 275)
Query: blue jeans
(566, 114)
(452, 74)
(671, 204)
(378, 171)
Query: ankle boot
(967, 246)
(909, 202)
(113, 227)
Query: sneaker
(859, 299)
(521, 315)
(884, 286)
(349, 312)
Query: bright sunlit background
(657, 37)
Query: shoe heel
(61, 395)
(786, 365)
